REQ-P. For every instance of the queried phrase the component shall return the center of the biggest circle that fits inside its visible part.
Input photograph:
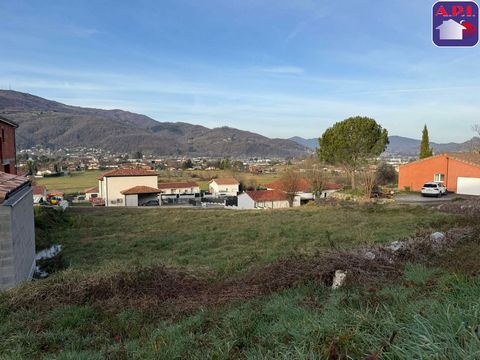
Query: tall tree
(425, 149)
(290, 181)
(351, 143)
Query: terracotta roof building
(460, 172)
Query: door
(468, 186)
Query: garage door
(468, 186)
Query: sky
(281, 68)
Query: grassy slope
(434, 314)
(225, 241)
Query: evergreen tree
(425, 149)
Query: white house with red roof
(115, 185)
(187, 187)
(224, 187)
(262, 199)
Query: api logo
(455, 23)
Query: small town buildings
(140, 195)
(112, 183)
(460, 172)
(91, 193)
(224, 187)
(17, 231)
(262, 199)
(39, 194)
(190, 187)
(305, 191)
(7, 146)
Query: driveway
(419, 199)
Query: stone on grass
(396, 245)
(370, 255)
(339, 279)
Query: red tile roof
(267, 195)
(39, 190)
(177, 185)
(304, 185)
(10, 183)
(92, 190)
(141, 190)
(127, 172)
(472, 158)
(56, 193)
(225, 181)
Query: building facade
(112, 183)
(460, 172)
(224, 187)
(7, 146)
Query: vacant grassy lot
(77, 182)
(226, 241)
(116, 302)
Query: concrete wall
(189, 190)
(17, 239)
(114, 185)
(245, 202)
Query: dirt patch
(469, 207)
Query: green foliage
(352, 142)
(386, 174)
(425, 149)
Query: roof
(177, 185)
(92, 190)
(472, 158)
(140, 190)
(304, 185)
(225, 181)
(39, 190)
(127, 172)
(267, 195)
(9, 183)
(9, 122)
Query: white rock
(396, 245)
(339, 279)
(438, 238)
(370, 255)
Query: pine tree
(425, 149)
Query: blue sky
(280, 68)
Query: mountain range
(55, 125)
(404, 146)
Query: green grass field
(110, 303)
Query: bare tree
(476, 139)
(368, 178)
(291, 181)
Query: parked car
(150, 203)
(434, 189)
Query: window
(439, 177)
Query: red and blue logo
(455, 23)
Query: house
(179, 188)
(112, 183)
(91, 193)
(460, 172)
(451, 30)
(305, 191)
(17, 231)
(262, 199)
(39, 194)
(7, 146)
(139, 195)
(224, 187)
